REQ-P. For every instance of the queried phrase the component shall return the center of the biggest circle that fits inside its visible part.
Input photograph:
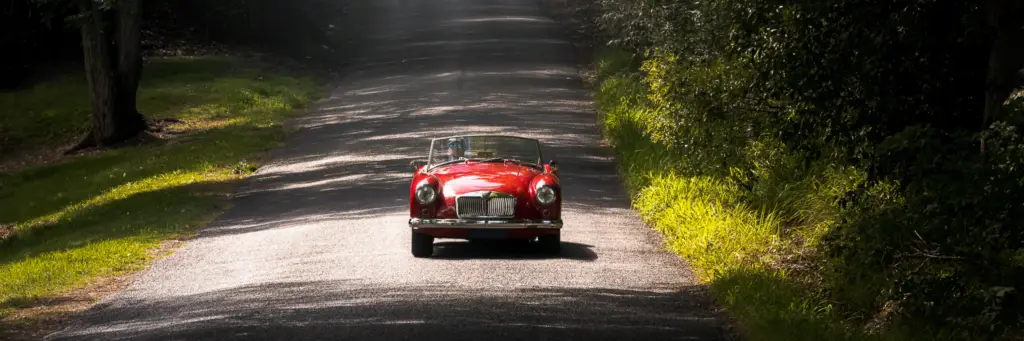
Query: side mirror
(551, 167)
(416, 164)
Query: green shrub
(736, 246)
(850, 127)
(947, 255)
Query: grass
(103, 214)
(739, 241)
(735, 249)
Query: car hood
(471, 177)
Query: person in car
(456, 149)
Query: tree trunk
(129, 65)
(1006, 56)
(99, 73)
(112, 68)
(257, 20)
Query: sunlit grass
(718, 235)
(100, 214)
(734, 246)
(734, 249)
(61, 107)
(163, 181)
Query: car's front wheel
(422, 245)
(551, 244)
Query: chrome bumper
(417, 223)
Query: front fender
(554, 209)
(419, 210)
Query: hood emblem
(488, 194)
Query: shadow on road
(508, 249)
(291, 311)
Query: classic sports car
(484, 187)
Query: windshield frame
(430, 152)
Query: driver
(456, 150)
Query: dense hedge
(856, 126)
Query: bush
(851, 127)
(732, 236)
(943, 250)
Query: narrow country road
(316, 245)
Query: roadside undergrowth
(101, 214)
(750, 234)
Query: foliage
(731, 238)
(48, 32)
(101, 214)
(947, 255)
(854, 127)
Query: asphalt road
(316, 245)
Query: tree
(111, 42)
(1005, 20)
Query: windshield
(484, 148)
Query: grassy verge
(102, 214)
(753, 246)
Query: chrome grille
(501, 207)
(470, 206)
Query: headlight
(545, 195)
(425, 194)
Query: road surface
(316, 245)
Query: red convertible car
(484, 187)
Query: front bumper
(418, 223)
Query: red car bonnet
(473, 176)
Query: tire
(422, 245)
(551, 245)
